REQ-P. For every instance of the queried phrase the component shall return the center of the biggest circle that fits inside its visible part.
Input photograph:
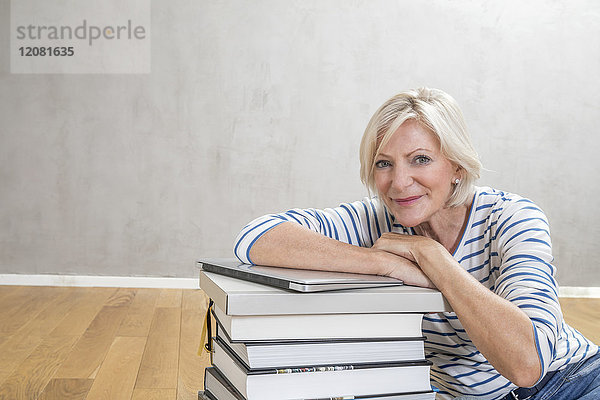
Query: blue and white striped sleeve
(527, 274)
(359, 223)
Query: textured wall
(259, 106)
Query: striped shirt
(506, 246)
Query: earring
(456, 181)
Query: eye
(421, 160)
(383, 164)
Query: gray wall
(259, 106)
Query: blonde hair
(438, 112)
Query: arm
(291, 245)
(498, 328)
(515, 324)
(334, 239)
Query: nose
(401, 179)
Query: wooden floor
(100, 343)
(106, 343)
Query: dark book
(217, 387)
(320, 381)
(300, 280)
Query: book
(237, 297)
(216, 387)
(320, 382)
(325, 352)
(301, 280)
(243, 328)
(298, 353)
(270, 342)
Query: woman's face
(412, 176)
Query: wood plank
(583, 314)
(191, 365)
(90, 350)
(14, 351)
(66, 389)
(53, 312)
(16, 348)
(25, 305)
(194, 299)
(15, 298)
(159, 364)
(169, 298)
(79, 318)
(122, 297)
(30, 378)
(155, 394)
(139, 318)
(116, 377)
(7, 290)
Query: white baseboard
(178, 283)
(99, 281)
(578, 291)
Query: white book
(321, 382)
(277, 354)
(239, 297)
(216, 387)
(244, 328)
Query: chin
(406, 221)
(408, 224)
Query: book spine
(315, 369)
(347, 367)
(335, 398)
(247, 276)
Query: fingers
(394, 245)
(401, 268)
(394, 235)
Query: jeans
(578, 381)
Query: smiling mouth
(407, 201)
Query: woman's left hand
(418, 249)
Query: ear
(458, 173)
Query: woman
(489, 253)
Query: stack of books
(274, 344)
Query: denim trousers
(577, 381)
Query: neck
(447, 226)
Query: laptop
(299, 280)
